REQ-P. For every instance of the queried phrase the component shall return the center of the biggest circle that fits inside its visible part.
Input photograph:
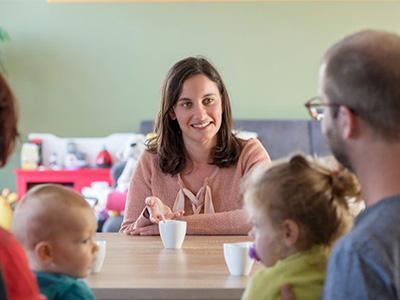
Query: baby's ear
(44, 252)
(291, 232)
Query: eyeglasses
(316, 107)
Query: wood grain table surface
(140, 268)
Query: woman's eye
(186, 104)
(208, 100)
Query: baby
(298, 208)
(57, 227)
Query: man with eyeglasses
(359, 105)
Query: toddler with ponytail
(298, 208)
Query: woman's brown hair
(307, 192)
(168, 143)
(8, 120)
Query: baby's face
(75, 251)
(268, 240)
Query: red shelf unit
(75, 179)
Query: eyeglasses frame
(309, 105)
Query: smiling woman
(198, 115)
(193, 166)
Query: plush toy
(29, 156)
(103, 159)
(74, 159)
(131, 154)
(7, 199)
(121, 173)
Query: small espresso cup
(237, 258)
(172, 233)
(100, 256)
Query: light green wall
(95, 69)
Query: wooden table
(140, 268)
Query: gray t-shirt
(365, 263)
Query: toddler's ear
(291, 232)
(44, 251)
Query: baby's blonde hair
(305, 191)
(45, 212)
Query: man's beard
(338, 149)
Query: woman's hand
(144, 226)
(145, 230)
(156, 208)
(148, 230)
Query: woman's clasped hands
(157, 211)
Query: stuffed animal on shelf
(74, 159)
(29, 156)
(7, 200)
(130, 155)
(103, 159)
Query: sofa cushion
(146, 127)
(280, 137)
(319, 144)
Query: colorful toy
(7, 200)
(103, 159)
(30, 156)
(253, 253)
(74, 159)
(133, 150)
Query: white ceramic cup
(100, 256)
(172, 233)
(237, 258)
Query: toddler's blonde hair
(305, 191)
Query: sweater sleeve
(253, 154)
(139, 189)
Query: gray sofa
(280, 137)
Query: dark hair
(8, 121)
(363, 73)
(305, 191)
(168, 142)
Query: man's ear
(291, 232)
(348, 122)
(44, 252)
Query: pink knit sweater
(229, 217)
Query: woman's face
(198, 111)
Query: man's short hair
(362, 72)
